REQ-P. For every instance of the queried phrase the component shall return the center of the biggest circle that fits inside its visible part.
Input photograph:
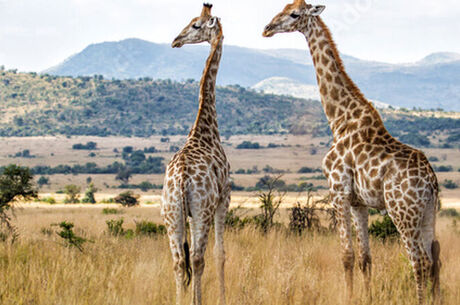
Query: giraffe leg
(199, 231)
(413, 243)
(431, 250)
(360, 219)
(341, 203)
(219, 251)
(175, 234)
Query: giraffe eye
(196, 27)
(294, 15)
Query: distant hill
(432, 82)
(32, 105)
(38, 105)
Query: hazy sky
(37, 34)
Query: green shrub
(49, 200)
(88, 146)
(127, 199)
(108, 200)
(149, 228)
(308, 170)
(115, 227)
(89, 194)
(73, 193)
(43, 181)
(46, 231)
(449, 184)
(248, 145)
(69, 237)
(384, 229)
(109, 211)
(234, 221)
(372, 211)
(443, 168)
(451, 212)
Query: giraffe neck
(345, 106)
(206, 121)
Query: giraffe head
(294, 17)
(203, 28)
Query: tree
(270, 203)
(43, 181)
(16, 182)
(89, 194)
(127, 199)
(73, 193)
(123, 175)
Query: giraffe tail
(185, 212)
(435, 268)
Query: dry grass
(273, 269)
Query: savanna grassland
(289, 154)
(276, 268)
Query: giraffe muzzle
(269, 31)
(177, 43)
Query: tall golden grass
(277, 268)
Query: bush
(15, 182)
(449, 184)
(150, 149)
(443, 168)
(149, 228)
(70, 238)
(49, 200)
(372, 211)
(303, 218)
(109, 211)
(127, 199)
(43, 181)
(234, 221)
(236, 187)
(248, 145)
(73, 193)
(308, 170)
(115, 227)
(89, 194)
(88, 146)
(433, 159)
(451, 212)
(384, 229)
(273, 145)
(174, 148)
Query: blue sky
(37, 34)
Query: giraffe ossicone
(197, 185)
(366, 166)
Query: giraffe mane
(350, 85)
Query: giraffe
(197, 186)
(366, 167)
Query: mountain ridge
(427, 83)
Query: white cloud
(36, 34)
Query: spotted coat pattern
(197, 186)
(366, 166)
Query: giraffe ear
(316, 10)
(212, 22)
